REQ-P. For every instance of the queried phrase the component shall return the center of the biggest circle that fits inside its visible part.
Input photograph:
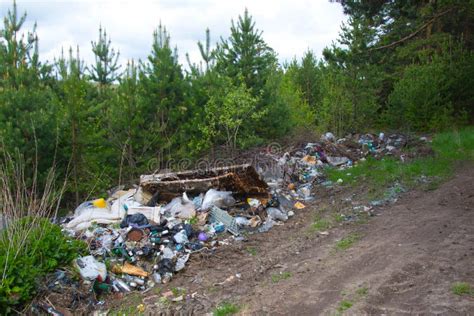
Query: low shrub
(44, 249)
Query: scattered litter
(137, 220)
(181, 263)
(266, 226)
(328, 137)
(141, 308)
(227, 280)
(390, 196)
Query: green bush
(44, 249)
(432, 95)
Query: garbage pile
(141, 237)
(296, 172)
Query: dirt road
(404, 260)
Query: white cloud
(290, 27)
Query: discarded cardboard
(240, 179)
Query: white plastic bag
(328, 137)
(277, 214)
(221, 199)
(242, 221)
(98, 215)
(180, 207)
(128, 200)
(181, 262)
(181, 237)
(88, 205)
(90, 269)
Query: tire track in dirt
(408, 259)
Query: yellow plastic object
(129, 269)
(299, 205)
(141, 308)
(100, 203)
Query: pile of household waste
(294, 173)
(141, 237)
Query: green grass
(344, 305)
(128, 306)
(321, 224)
(339, 218)
(225, 308)
(164, 301)
(130, 310)
(462, 288)
(362, 291)
(347, 242)
(178, 291)
(252, 251)
(193, 220)
(449, 148)
(280, 276)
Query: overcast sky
(289, 27)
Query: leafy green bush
(42, 250)
(431, 95)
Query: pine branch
(424, 26)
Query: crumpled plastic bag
(91, 269)
(180, 207)
(181, 262)
(94, 214)
(137, 219)
(84, 207)
(328, 137)
(221, 199)
(242, 221)
(92, 211)
(266, 226)
(337, 161)
(167, 253)
(107, 242)
(181, 237)
(277, 214)
(152, 213)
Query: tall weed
(30, 245)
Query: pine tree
(206, 53)
(128, 120)
(246, 55)
(105, 70)
(27, 118)
(164, 96)
(246, 58)
(307, 77)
